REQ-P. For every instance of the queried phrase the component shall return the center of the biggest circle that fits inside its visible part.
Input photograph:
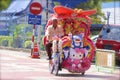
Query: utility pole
(47, 10)
(114, 13)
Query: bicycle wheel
(56, 64)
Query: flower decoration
(68, 28)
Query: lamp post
(108, 17)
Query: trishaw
(75, 50)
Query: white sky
(113, 14)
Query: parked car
(109, 38)
(94, 38)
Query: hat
(53, 18)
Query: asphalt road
(18, 65)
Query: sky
(114, 11)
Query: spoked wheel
(56, 58)
(56, 64)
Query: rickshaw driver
(52, 30)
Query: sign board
(34, 19)
(105, 59)
(35, 8)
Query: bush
(18, 42)
(28, 44)
(41, 43)
(6, 41)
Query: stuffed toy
(66, 51)
(76, 58)
(77, 41)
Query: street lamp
(108, 17)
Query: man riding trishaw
(67, 41)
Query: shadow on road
(86, 76)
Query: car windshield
(110, 33)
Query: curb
(22, 49)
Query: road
(18, 65)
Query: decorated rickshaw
(75, 50)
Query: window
(110, 33)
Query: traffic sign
(35, 8)
(34, 19)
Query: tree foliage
(4, 4)
(20, 30)
(96, 5)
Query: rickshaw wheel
(83, 73)
(56, 64)
(56, 69)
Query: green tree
(4, 4)
(96, 5)
(19, 30)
